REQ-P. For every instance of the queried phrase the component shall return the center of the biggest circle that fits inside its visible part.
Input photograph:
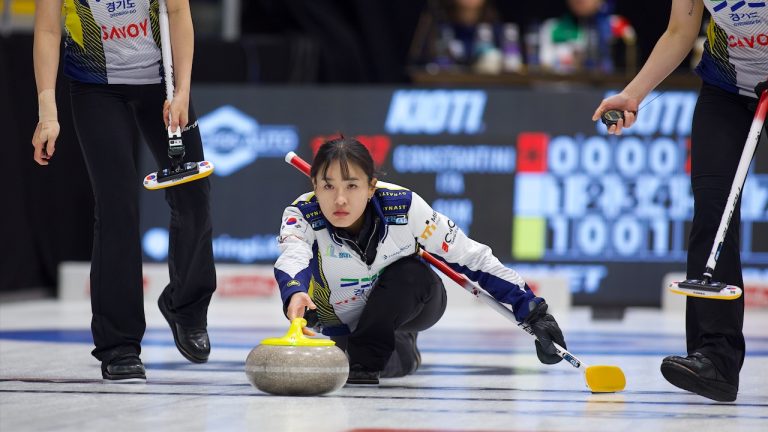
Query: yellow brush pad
(605, 379)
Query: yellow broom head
(605, 379)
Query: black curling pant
(107, 120)
(407, 297)
(721, 123)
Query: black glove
(760, 88)
(546, 330)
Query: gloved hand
(761, 87)
(546, 330)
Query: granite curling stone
(295, 365)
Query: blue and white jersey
(735, 54)
(112, 41)
(314, 260)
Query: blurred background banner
(525, 171)
(483, 107)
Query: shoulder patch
(394, 204)
(310, 210)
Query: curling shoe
(699, 375)
(126, 368)
(192, 342)
(405, 359)
(359, 375)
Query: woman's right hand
(622, 102)
(296, 306)
(44, 140)
(47, 130)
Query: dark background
(364, 41)
(48, 212)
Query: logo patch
(318, 224)
(428, 231)
(233, 139)
(396, 219)
(331, 253)
(128, 31)
(450, 237)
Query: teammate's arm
(45, 53)
(669, 52)
(183, 46)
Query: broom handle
(167, 54)
(738, 182)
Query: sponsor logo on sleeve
(428, 230)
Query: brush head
(605, 379)
(706, 289)
(190, 171)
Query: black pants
(108, 119)
(721, 123)
(408, 297)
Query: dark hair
(346, 151)
(448, 10)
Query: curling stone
(295, 365)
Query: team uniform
(340, 277)
(112, 42)
(735, 56)
(735, 59)
(112, 57)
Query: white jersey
(735, 54)
(112, 41)
(314, 259)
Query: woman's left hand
(177, 110)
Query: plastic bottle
(592, 51)
(605, 41)
(443, 56)
(513, 61)
(532, 46)
(487, 58)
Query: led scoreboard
(620, 199)
(613, 198)
(524, 171)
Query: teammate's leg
(106, 132)
(714, 335)
(190, 252)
